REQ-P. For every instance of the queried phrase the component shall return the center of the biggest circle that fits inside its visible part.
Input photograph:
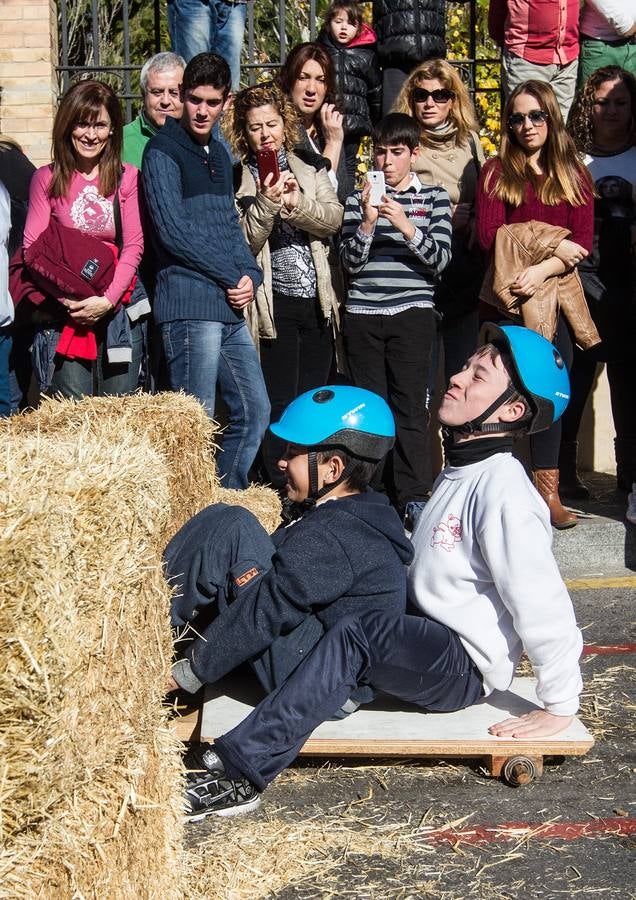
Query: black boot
(625, 453)
(570, 485)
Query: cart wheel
(519, 770)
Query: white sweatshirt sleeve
(516, 546)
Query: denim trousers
(201, 355)
(5, 389)
(208, 26)
(409, 657)
(77, 378)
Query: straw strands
(177, 427)
(90, 779)
(91, 772)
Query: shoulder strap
(473, 150)
(119, 236)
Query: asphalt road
(363, 829)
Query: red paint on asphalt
(521, 831)
(600, 649)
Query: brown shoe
(546, 482)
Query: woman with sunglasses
(603, 125)
(538, 176)
(87, 188)
(450, 156)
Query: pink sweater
(492, 212)
(85, 209)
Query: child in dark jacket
(270, 600)
(351, 43)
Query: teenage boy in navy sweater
(271, 599)
(206, 273)
(394, 255)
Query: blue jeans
(409, 657)
(5, 390)
(200, 354)
(208, 26)
(76, 378)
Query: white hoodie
(484, 567)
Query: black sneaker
(209, 791)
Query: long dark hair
(292, 67)
(83, 103)
(566, 178)
(580, 122)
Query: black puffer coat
(358, 80)
(409, 31)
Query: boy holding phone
(394, 254)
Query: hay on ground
(91, 772)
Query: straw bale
(177, 426)
(91, 773)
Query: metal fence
(95, 39)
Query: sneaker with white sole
(209, 790)
(630, 515)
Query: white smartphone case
(378, 187)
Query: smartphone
(378, 187)
(267, 162)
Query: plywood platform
(387, 728)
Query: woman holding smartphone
(538, 176)
(289, 211)
(309, 80)
(450, 156)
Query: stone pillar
(28, 56)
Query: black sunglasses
(441, 95)
(536, 116)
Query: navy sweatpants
(410, 657)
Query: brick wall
(28, 56)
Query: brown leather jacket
(526, 244)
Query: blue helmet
(358, 421)
(540, 373)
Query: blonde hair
(566, 178)
(462, 112)
(268, 94)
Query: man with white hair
(160, 78)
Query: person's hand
(171, 685)
(536, 724)
(242, 295)
(331, 123)
(291, 192)
(370, 213)
(272, 189)
(528, 282)
(570, 253)
(394, 212)
(89, 311)
(461, 216)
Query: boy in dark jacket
(351, 44)
(272, 599)
(206, 273)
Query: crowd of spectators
(223, 244)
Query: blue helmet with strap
(539, 374)
(337, 417)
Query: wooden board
(385, 728)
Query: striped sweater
(387, 272)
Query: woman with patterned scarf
(288, 222)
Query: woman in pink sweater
(539, 176)
(78, 190)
